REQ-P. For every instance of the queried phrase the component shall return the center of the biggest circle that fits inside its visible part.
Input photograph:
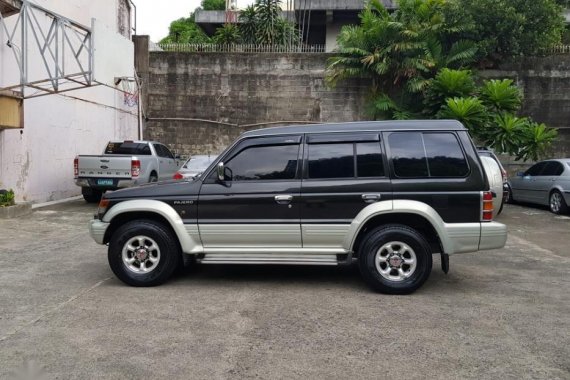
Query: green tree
(469, 111)
(400, 53)
(213, 5)
(448, 84)
(185, 30)
(262, 23)
(419, 62)
(248, 24)
(501, 95)
(508, 28)
(227, 34)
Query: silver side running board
(269, 258)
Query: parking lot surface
(497, 314)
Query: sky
(154, 17)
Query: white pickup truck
(123, 164)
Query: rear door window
(331, 161)
(356, 158)
(552, 168)
(428, 154)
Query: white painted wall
(37, 162)
(333, 30)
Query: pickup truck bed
(123, 164)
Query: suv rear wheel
(143, 253)
(395, 259)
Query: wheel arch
(415, 221)
(414, 214)
(161, 212)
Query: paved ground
(497, 314)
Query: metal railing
(558, 49)
(239, 48)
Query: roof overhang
(10, 7)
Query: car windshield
(198, 162)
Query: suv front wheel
(395, 259)
(143, 253)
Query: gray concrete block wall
(241, 89)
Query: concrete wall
(243, 89)
(546, 87)
(37, 161)
(239, 92)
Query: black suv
(387, 194)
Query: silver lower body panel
(270, 258)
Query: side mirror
(520, 174)
(221, 172)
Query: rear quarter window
(427, 155)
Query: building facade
(36, 157)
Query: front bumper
(97, 230)
(493, 235)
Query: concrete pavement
(497, 314)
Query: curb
(19, 209)
(46, 204)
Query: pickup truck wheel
(395, 259)
(91, 195)
(143, 253)
(153, 177)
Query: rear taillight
(135, 168)
(486, 206)
(76, 168)
(177, 175)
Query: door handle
(371, 198)
(283, 199)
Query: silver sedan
(194, 166)
(545, 183)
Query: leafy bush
(213, 5)
(6, 198)
(185, 30)
(448, 84)
(509, 28)
(501, 95)
(227, 34)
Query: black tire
(396, 233)
(510, 198)
(501, 208)
(153, 177)
(91, 195)
(562, 208)
(154, 232)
